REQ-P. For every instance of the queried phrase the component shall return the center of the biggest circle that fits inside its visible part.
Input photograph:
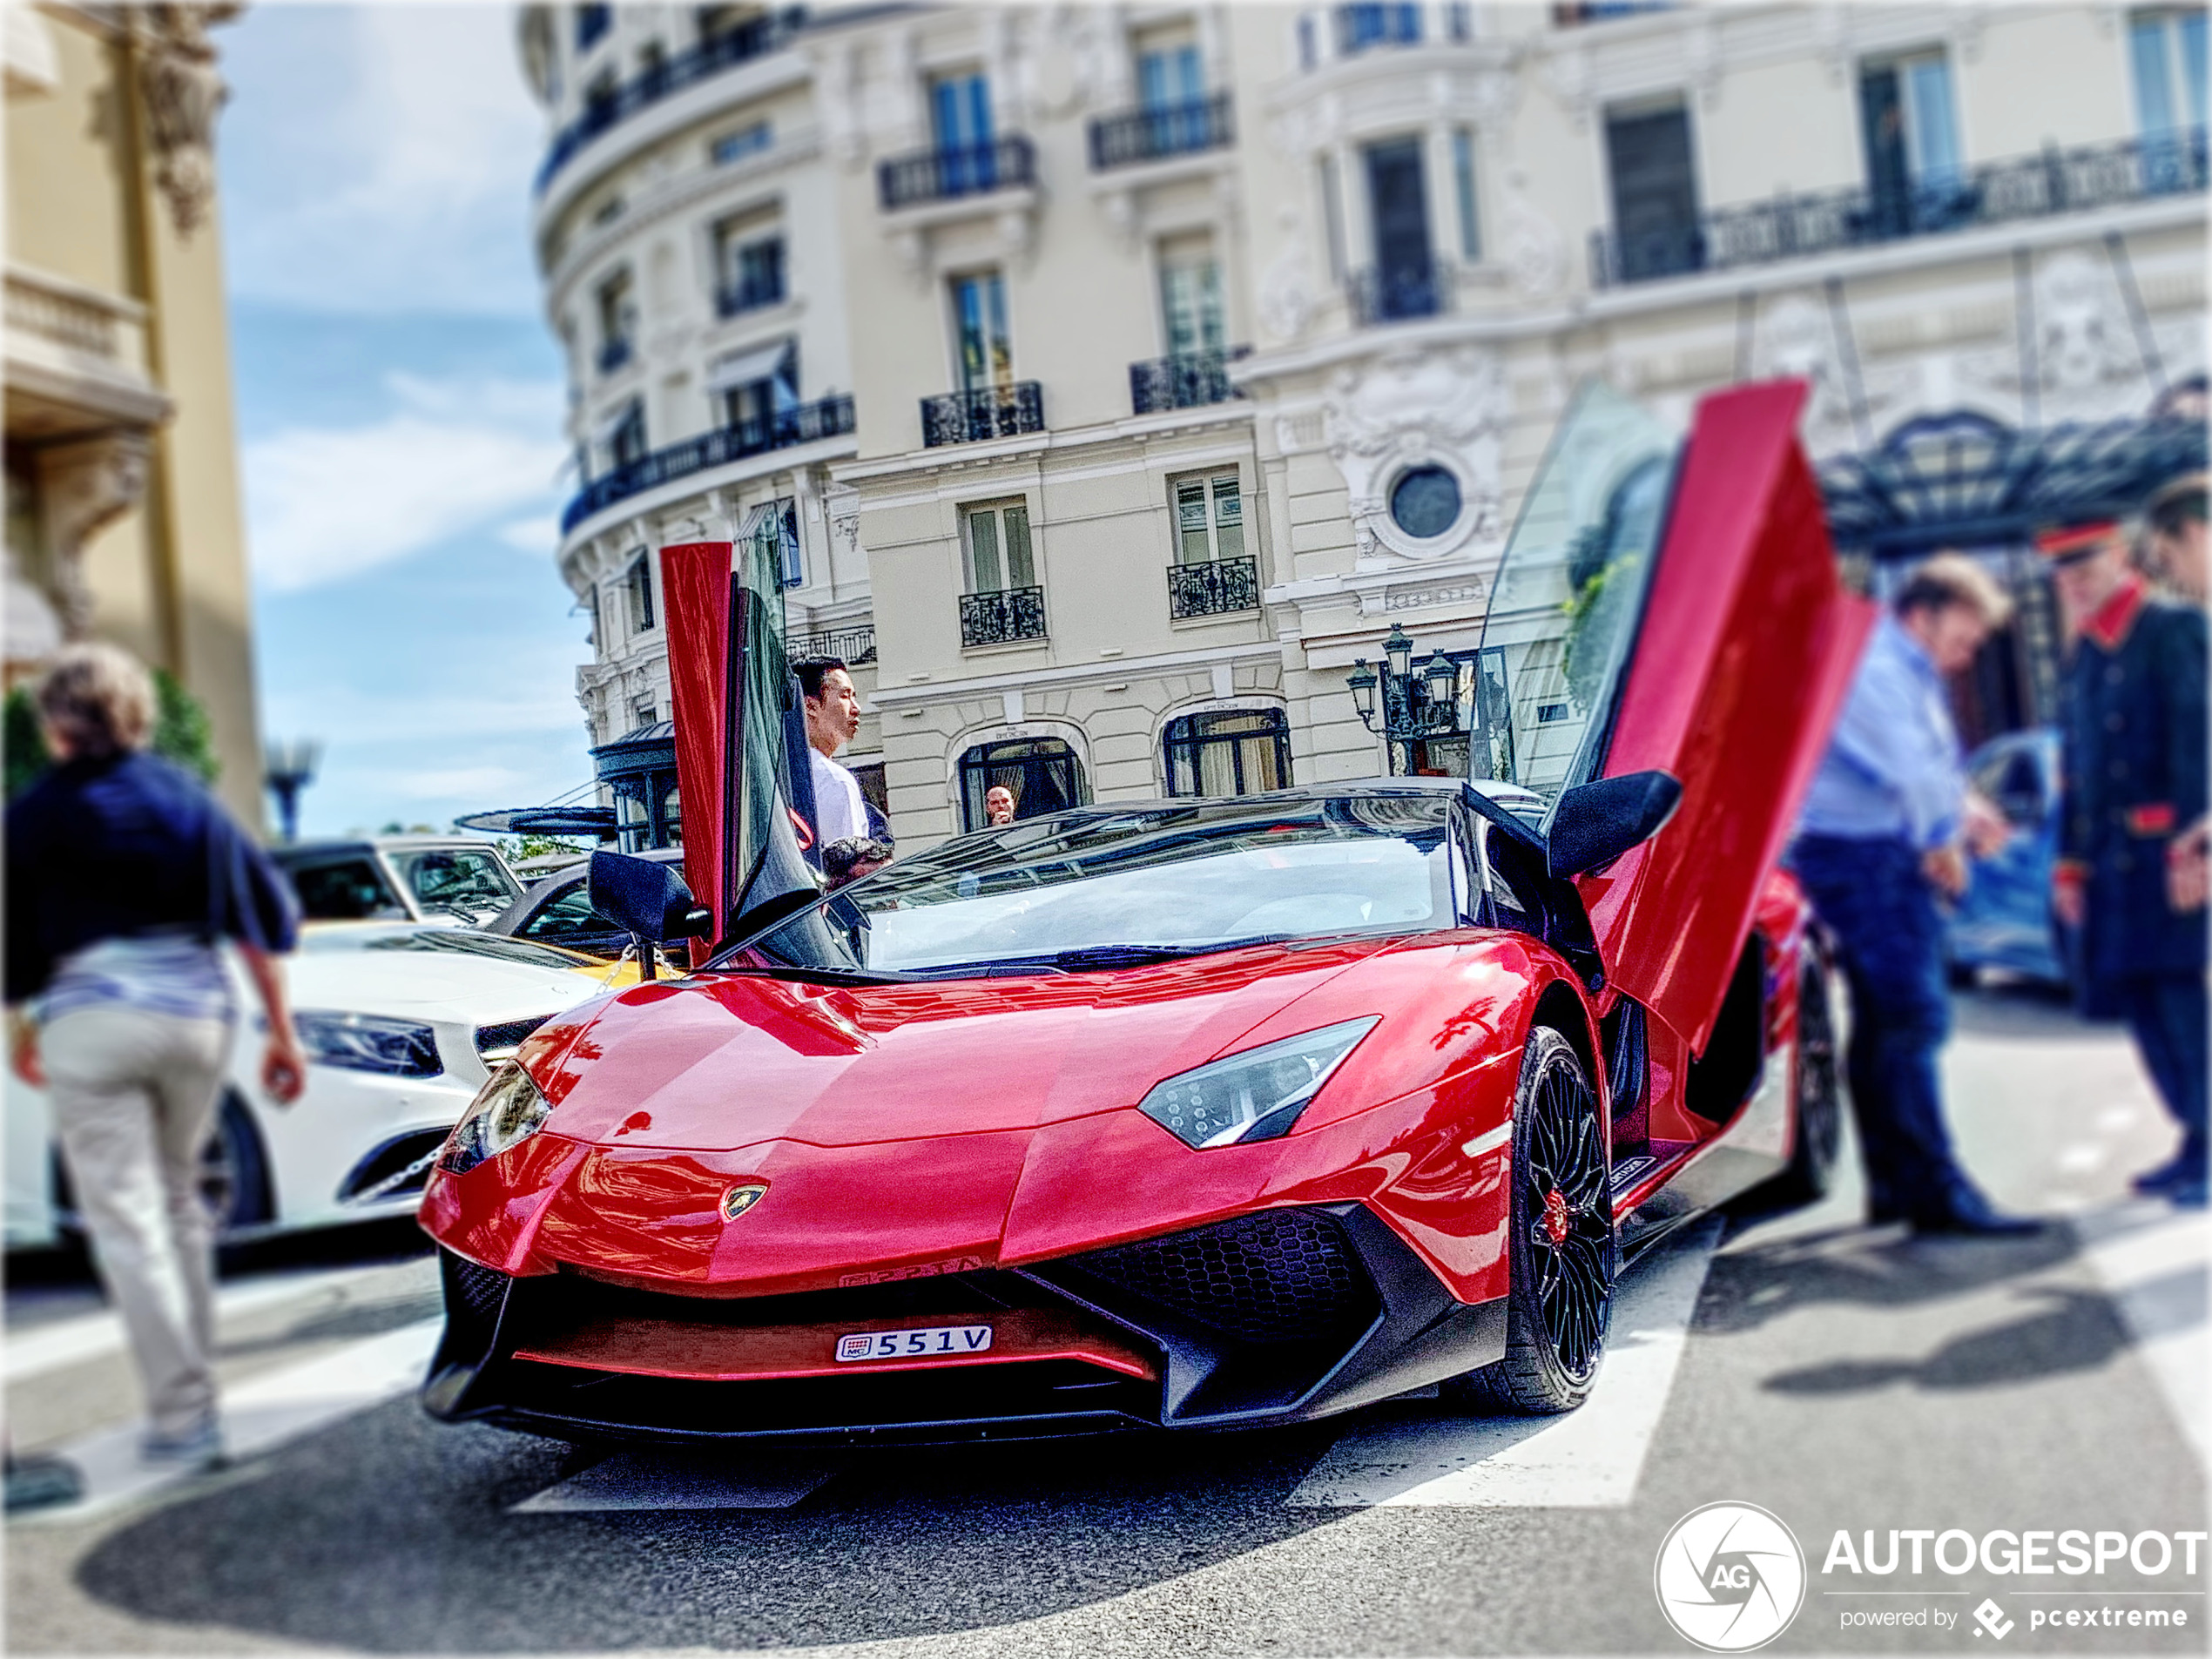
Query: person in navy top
(1885, 829)
(125, 878)
(2133, 784)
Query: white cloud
(327, 503)
(537, 537)
(379, 158)
(470, 783)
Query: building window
(1404, 283)
(1041, 773)
(1305, 41)
(1463, 194)
(591, 25)
(1169, 76)
(626, 438)
(617, 307)
(1361, 26)
(749, 264)
(1190, 303)
(2166, 50)
(652, 67)
(1655, 192)
(637, 594)
(1229, 752)
(758, 386)
(985, 348)
(1458, 21)
(1209, 519)
(746, 141)
(997, 539)
(960, 130)
(600, 96)
(1425, 502)
(1912, 138)
(776, 529)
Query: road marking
(91, 1336)
(1587, 1459)
(2152, 1260)
(681, 1480)
(257, 1416)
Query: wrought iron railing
(853, 646)
(1788, 227)
(1214, 589)
(1185, 382)
(1002, 617)
(1170, 130)
(1400, 294)
(986, 412)
(756, 37)
(828, 418)
(750, 294)
(613, 354)
(945, 171)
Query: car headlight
(368, 1042)
(508, 1110)
(1255, 1095)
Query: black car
(557, 910)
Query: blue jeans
(1877, 903)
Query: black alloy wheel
(1561, 1245)
(1818, 1104)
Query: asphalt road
(1841, 1377)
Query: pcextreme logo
(1729, 1577)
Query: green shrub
(182, 733)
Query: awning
(1963, 480)
(746, 367)
(542, 820)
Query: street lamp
(288, 767)
(1414, 705)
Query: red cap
(2064, 543)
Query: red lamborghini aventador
(1195, 1113)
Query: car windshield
(448, 941)
(460, 881)
(343, 889)
(1109, 887)
(1570, 595)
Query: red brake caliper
(1555, 1223)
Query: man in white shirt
(832, 718)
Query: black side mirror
(1594, 823)
(644, 898)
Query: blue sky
(399, 410)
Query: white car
(402, 1023)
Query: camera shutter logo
(1729, 1577)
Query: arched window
(1228, 752)
(1043, 772)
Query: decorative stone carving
(1286, 290)
(34, 631)
(84, 487)
(1572, 79)
(183, 93)
(1409, 408)
(1797, 341)
(1535, 253)
(1831, 39)
(2083, 345)
(1701, 50)
(842, 502)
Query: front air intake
(1279, 1276)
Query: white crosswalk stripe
(1585, 1458)
(2152, 1261)
(257, 1416)
(678, 1480)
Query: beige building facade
(123, 512)
(1190, 349)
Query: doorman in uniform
(2134, 766)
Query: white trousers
(134, 1097)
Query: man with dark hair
(852, 858)
(832, 718)
(2175, 520)
(2134, 774)
(1881, 836)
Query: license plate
(930, 1342)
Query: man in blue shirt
(1884, 831)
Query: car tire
(233, 1178)
(1560, 1244)
(1819, 1106)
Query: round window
(1425, 502)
